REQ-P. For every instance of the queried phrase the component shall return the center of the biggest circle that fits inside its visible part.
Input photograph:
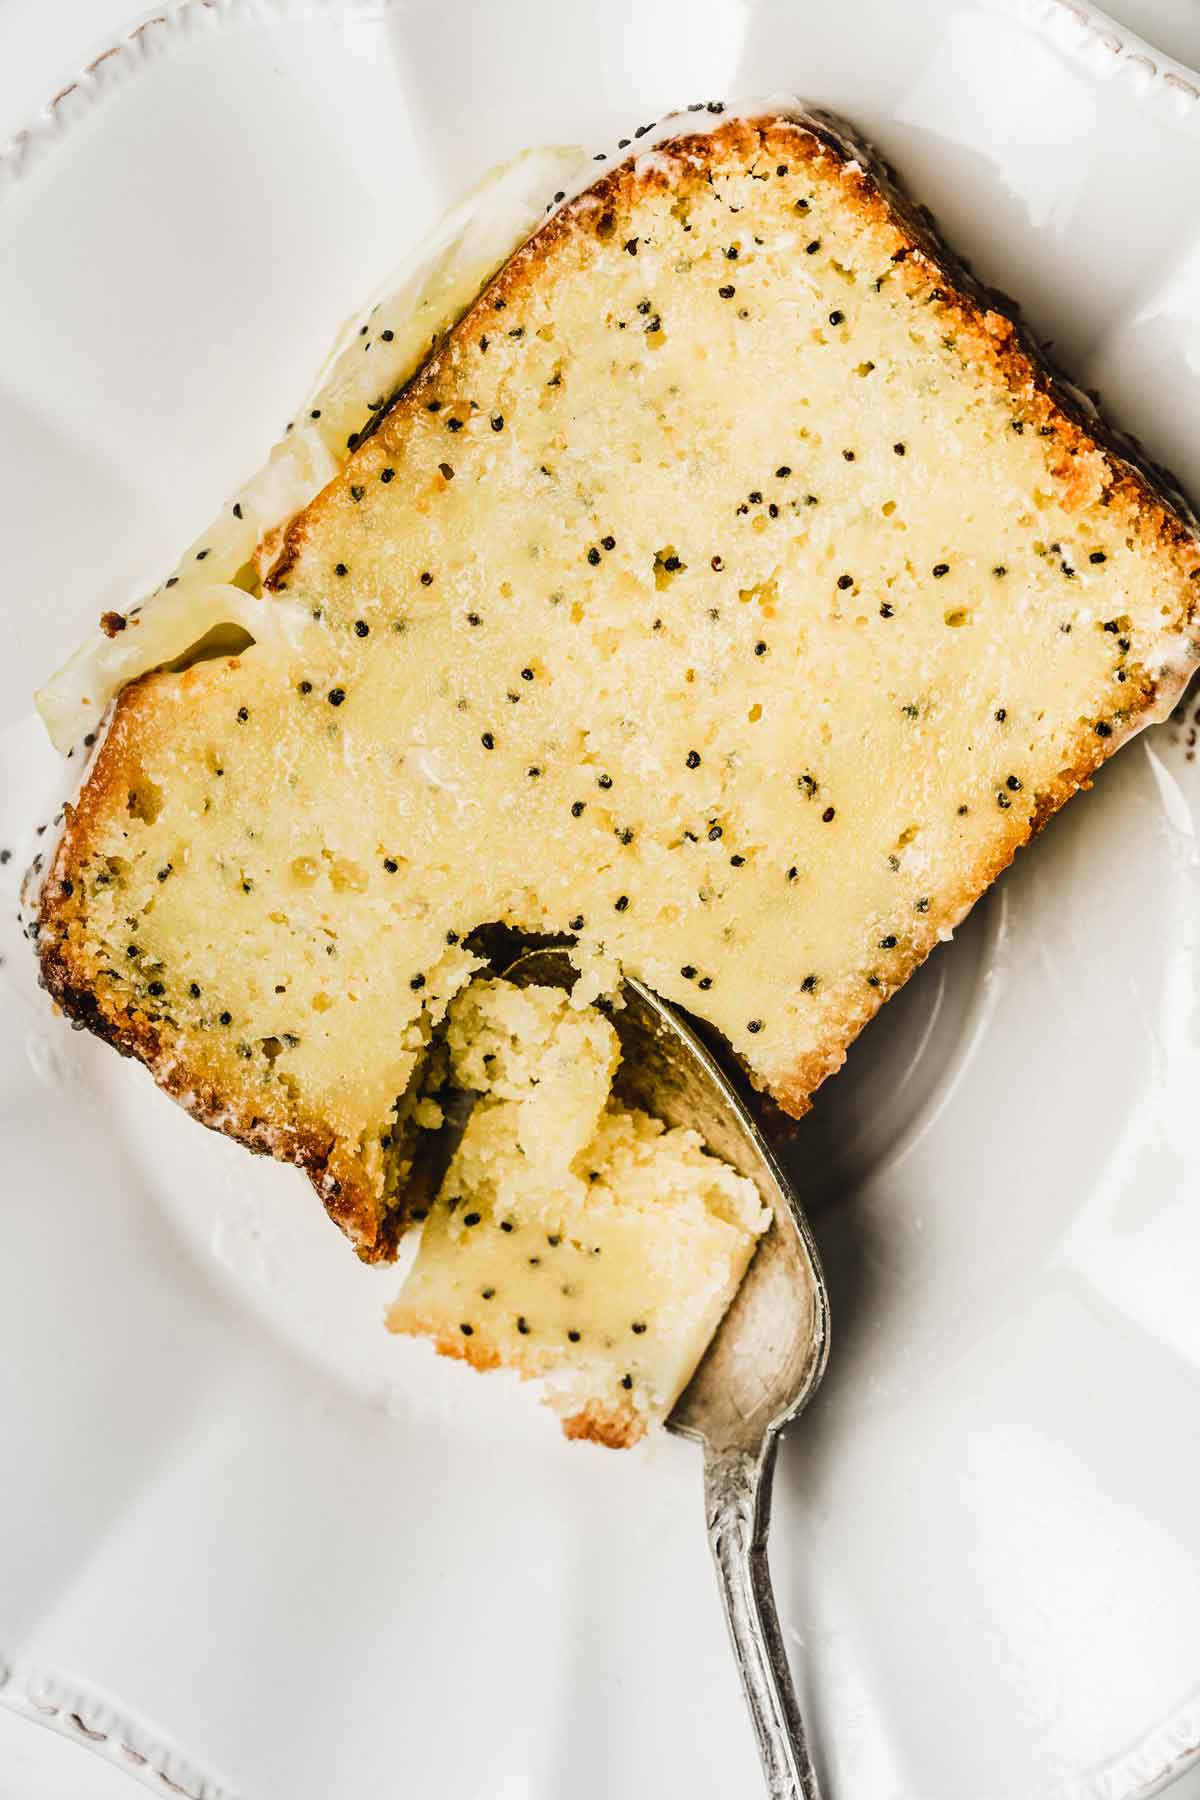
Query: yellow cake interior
(573, 1238)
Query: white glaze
(417, 303)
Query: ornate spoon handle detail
(737, 1498)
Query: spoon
(764, 1362)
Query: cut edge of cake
(595, 1255)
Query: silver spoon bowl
(763, 1364)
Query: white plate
(239, 1520)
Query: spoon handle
(737, 1499)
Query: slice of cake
(733, 591)
(552, 1062)
(573, 1238)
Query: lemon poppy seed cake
(552, 1173)
(732, 591)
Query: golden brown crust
(615, 1429)
(989, 334)
(614, 1426)
(309, 1143)
(462, 1349)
